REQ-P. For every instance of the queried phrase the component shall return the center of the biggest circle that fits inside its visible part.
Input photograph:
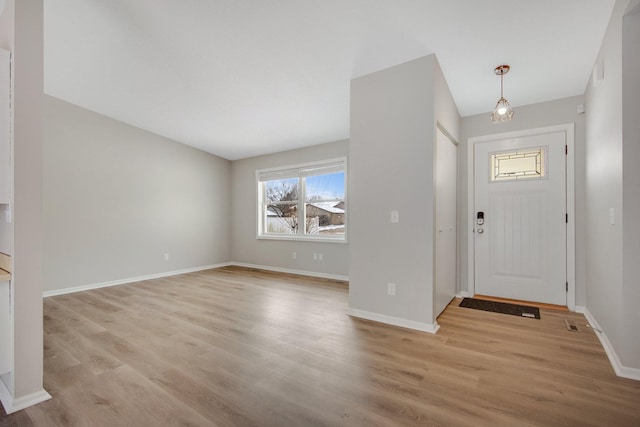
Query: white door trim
(571, 235)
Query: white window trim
(299, 237)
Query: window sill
(303, 239)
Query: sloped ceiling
(239, 78)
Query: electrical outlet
(294, 255)
(395, 217)
(391, 289)
(321, 256)
(166, 257)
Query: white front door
(446, 215)
(520, 218)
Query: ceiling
(240, 78)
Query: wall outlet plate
(391, 289)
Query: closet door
(446, 219)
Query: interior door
(520, 218)
(446, 215)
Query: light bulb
(502, 110)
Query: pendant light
(503, 111)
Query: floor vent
(571, 326)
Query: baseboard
(130, 280)
(395, 321)
(462, 294)
(618, 367)
(291, 271)
(190, 270)
(12, 405)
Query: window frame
(544, 167)
(299, 171)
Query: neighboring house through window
(303, 201)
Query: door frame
(569, 130)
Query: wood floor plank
(242, 347)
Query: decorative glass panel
(518, 165)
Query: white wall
(117, 198)
(630, 349)
(7, 43)
(544, 114)
(446, 111)
(604, 185)
(21, 33)
(612, 181)
(27, 210)
(391, 164)
(246, 249)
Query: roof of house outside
(328, 206)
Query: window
(518, 165)
(303, 202)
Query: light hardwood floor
(236, 347)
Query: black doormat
(501, 307)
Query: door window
(518, 165)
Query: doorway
(521, 216)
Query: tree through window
(307, 201)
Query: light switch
(395, 217)
(612, 216)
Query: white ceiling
(239, 78)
